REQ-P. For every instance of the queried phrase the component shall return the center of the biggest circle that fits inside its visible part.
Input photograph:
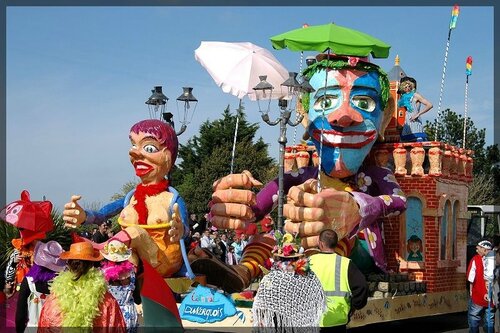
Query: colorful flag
(454, 16)
(158, 303)
(468, 66)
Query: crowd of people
(225, 244)
(81, 287)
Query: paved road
(456, 322)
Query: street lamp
(286, 103)
(157, 105)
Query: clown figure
(348, 111)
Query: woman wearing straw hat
(79, 297)
(120, 276)
(35, 285)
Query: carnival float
(398, 207)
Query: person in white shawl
(290, 297)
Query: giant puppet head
(349, 109)
(153, 151)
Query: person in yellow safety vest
(344, 285)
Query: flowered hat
(116, 251)
(82, 251)
(287, 245)
(287, 256)
(48, 255)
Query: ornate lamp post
(157, 105)
(291, 97)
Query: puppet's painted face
(13, 211)
(353, 117)
(151, 159)
(414, 246)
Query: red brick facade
(435, 193)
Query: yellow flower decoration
(112, 249)
(387, 199)
(287, 238)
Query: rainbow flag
(468, 66)
(454, 16)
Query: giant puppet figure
(153, 216)
(348, 111)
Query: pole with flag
(468, 72)
(453, 24)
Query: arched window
(414, 230)
(456, 208)
(443, 230)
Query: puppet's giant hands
(308, 212)
(176, 227)
(231, 206)
(73, 213)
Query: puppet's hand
(232, 200)
(73, 213)
(309, 212)
(176, 227)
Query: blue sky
(78, 77)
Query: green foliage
(207, 157)
(485, 188)
(60, 233)
(481, 189)
(126, 188)
(451, 131)
(7, 233)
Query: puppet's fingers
(223, 222)
(234, 195)
(309, 242)
(238, 180)
(295, 213)
(232, 210)
(304, 229)
(301, 196)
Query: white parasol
(237, 67)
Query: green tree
(485, 188)
(126, 188)
(207, 157)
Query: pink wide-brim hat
(48, 255)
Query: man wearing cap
(480, 300)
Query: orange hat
(82, 251)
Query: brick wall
(439, 275)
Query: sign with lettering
(206, 305)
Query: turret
(393, 130)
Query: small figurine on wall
(414, 247)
